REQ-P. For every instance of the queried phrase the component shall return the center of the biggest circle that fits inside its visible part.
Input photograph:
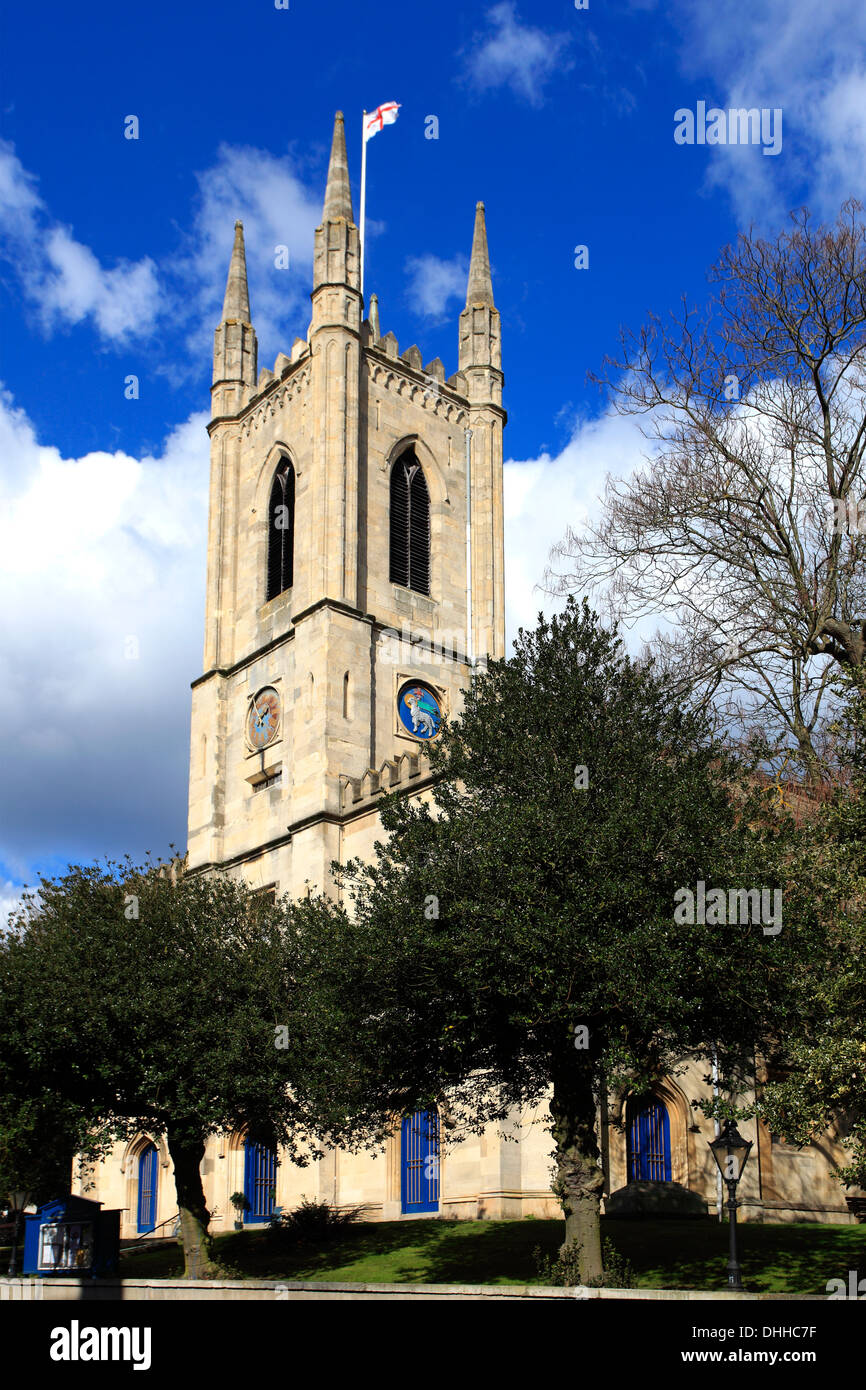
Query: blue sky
(113, 255)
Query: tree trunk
(579, 1179)
(194, 1215)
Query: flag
(376, 120)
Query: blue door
(147, 1180)
(419, 1162)
(649, 1143)
(260, 1181)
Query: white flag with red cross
(374, 121)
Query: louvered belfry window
(281, 530)
(410, 525)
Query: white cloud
(19, 201)
(63, 277)
(515, 55)
(277, 209)
(93, 551)
(545, 495)
(434, 282)
(69, 285)
(123, 302)
(808, 60)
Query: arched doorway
(419, 1162)
(148, 1178)
(260, 1181)
(649, 1141)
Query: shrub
(564, 1269)
(313, 1222)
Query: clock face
(263, 720)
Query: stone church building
(355, 574)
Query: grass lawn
(665, 1254)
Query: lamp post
(731, 1152)
(19, 1201)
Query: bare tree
(746, 529)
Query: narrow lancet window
(410, 525)
(281, 530)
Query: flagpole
(363, 192)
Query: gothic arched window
(281, 530)
(410, 525)
(148, 1178)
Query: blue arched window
(649, 1142)
(419, 1162)
(260, 1181)
(148, 1176)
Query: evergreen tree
(536, 896)
(149, 999)
(822, 1054)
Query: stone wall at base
(189, 1290)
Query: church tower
(343, 614)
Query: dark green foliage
(516, 907)
(313, 1222)
(148, 999)
(39, 1134)
(822, 1055)
(564, 1268)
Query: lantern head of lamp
(731, 1152)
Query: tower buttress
(481, 363)
(234, 384)
(335, 349)
(235, 350)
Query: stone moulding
(439, 400)
(275, 393)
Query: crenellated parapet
(396, 774)
(426, 390)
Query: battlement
(395, 774)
